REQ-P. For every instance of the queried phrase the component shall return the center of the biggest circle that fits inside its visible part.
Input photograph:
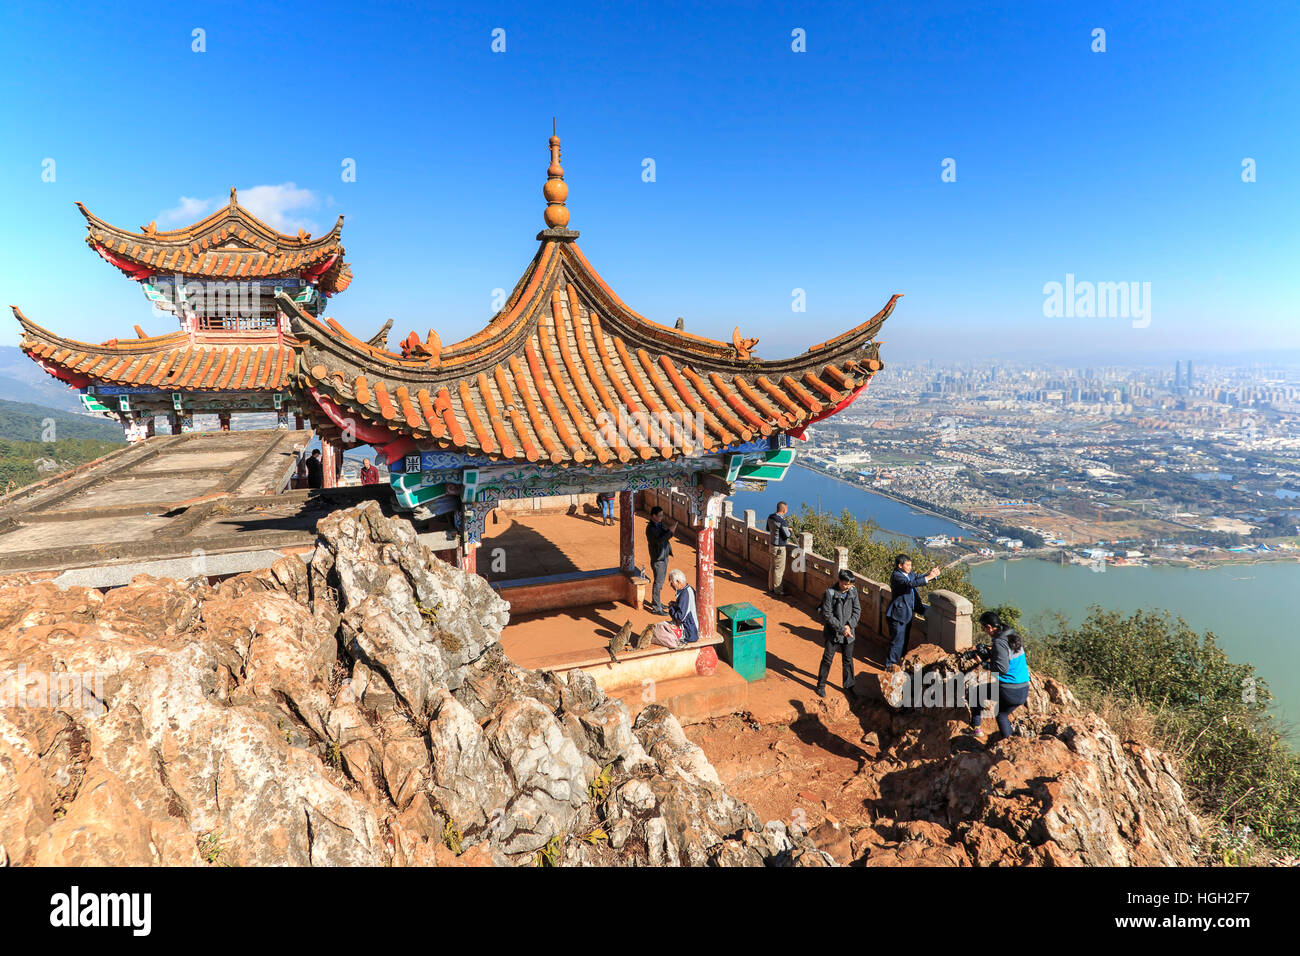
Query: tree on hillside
(1210, 713)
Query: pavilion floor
(538, 544)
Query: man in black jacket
(840, 613)
(659, 538)
(315, 470)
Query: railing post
(948, 621)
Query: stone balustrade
(743, 543)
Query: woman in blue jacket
(1006, 658)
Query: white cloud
(281, 207)
(188, 210)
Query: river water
(802, 485)
(1253, 609)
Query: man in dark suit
(840, 613)
(902, 609)
(659, 538)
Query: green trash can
(743, 629)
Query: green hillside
(23, 421)
(25, 457)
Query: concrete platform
(580, 542)
(152, 507)
(526, 545)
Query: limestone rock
(407, 615)
(359, 710)
(468, 781)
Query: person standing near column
(780, 532)
(840, 612)
(903, 606)
(659, 537)
(315, 470)
(606, 501)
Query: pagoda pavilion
(233, 351)
(567, 390)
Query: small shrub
(549, 855)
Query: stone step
(691, 699)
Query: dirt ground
(855, 778)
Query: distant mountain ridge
(22, 380)
(24, 421)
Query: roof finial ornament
(233, 196)
(556, 191)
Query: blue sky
(775, 170)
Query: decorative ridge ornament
(742, 346)
(429, 350)
(556, 193)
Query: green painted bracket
(772, 466)
(411, 491)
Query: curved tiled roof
(229, 244)
(566, 358)
(174, 362)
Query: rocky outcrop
(356, 709)
(1067, 790)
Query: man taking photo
(903, 607)
(659, 538)
(780, 537)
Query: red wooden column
(330, 460)
(626, 541)
(705, 607)
(297, 423)
(469, 559)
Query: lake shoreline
(1199, 564)
(920, 509)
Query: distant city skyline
(723, 165)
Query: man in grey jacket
(840, 612)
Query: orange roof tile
(174, 362)
(565, 363)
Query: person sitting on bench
(683, 626)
